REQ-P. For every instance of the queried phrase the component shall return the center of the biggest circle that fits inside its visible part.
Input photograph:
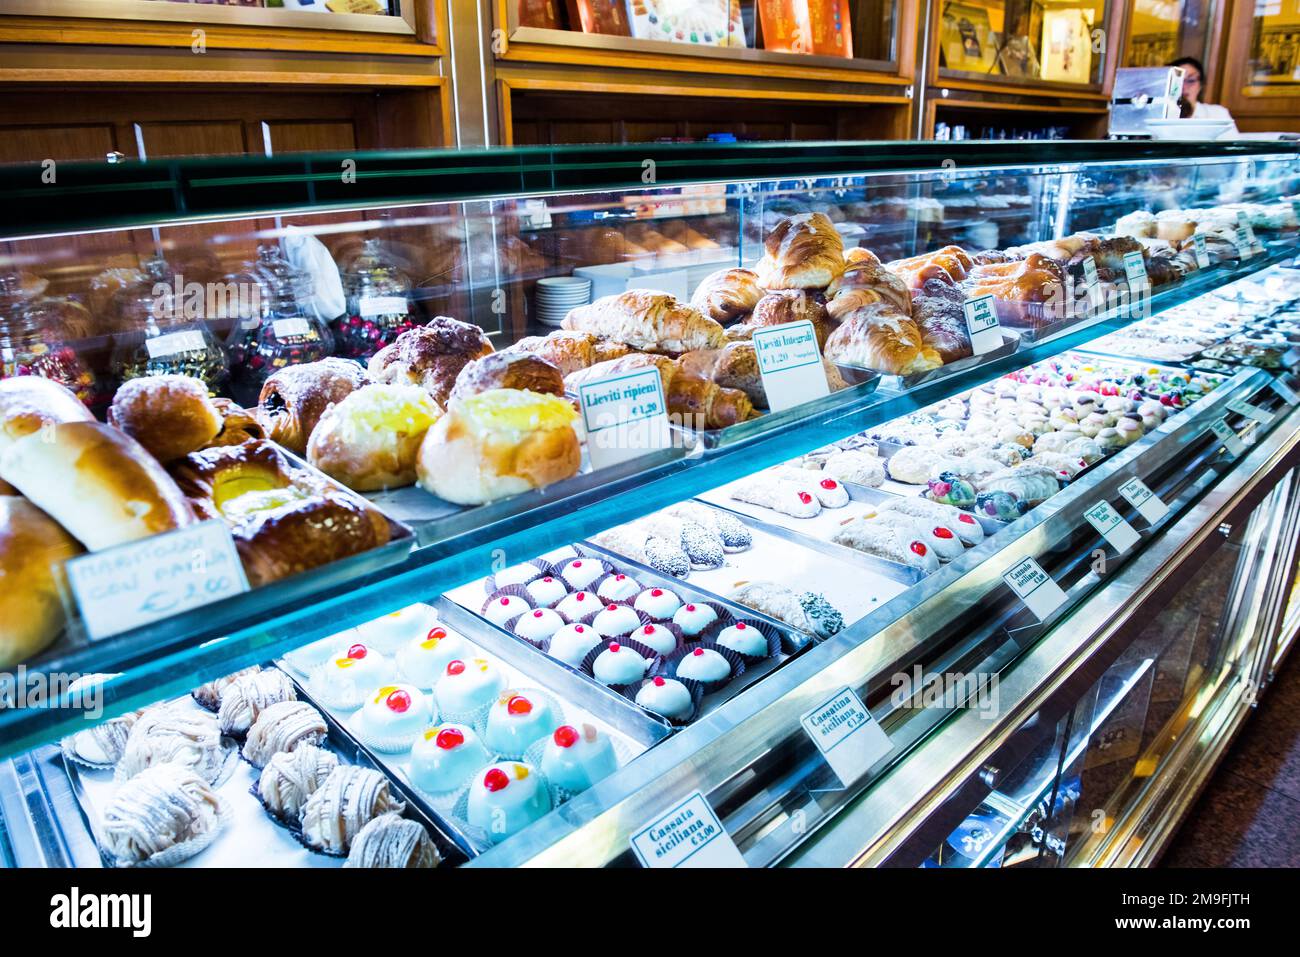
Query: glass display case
(857, 503)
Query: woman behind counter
(1193, 108)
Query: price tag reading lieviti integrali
(689, 835)
(625, 416)
(846, 734)
(142, 582)
(790, 364)
(982, 324)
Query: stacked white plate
(556, 295)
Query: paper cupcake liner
(293, 827)
(184, 850)
(589, 659)
(389, 744)
(670, 664)
(606, 570)
(490, 583)
(444, 802)
(194, 696)
(538, 694)
(515, 591)
(66, 749)
(694, 687)
(473, 718)
(725, 618)
(304, 663)
(771, 634)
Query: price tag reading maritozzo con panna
(1034, 587)
(1112, 527)
(626, 416)
(1148, 504)
(790, 364)
(142, 582)
(846, 734)
(982, 324)
(689, 835)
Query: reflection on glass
(1023, 40)
(1275, 48)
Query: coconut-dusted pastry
(970, 467)
(808, 612)
(33, 548)
(649, 320)
(291, 777)
(878, 336)
(855, 466)
(103, 744)
(730, 530)
(283, 727)
(160, 808)
(801, 252)
(174, 734)
(499, 443)
(777, 494)
(509, 370)
(349, 799)
(895, 542)
(101, 485)
(430, 356)
(293, 399)
(170, 415)
(728, 295)
(284, 519)
(371, 439)
(249, 696)
(391, 840)
(914, 463)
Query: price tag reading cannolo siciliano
(1111, 526)
(1148, 504)
(1034, 587)
(790, 364)
(1202, 254)
(625, 415)
(982, 324)
(688, 835)
(1285, 391)
(138, 583)
(1225, 434)
(846, 734)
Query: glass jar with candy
(28, 346)
(379, 305)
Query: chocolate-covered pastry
(431, 356)
(293, 400)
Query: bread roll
(508, 370)
(499, 443)
(728, 295)
(370, 440)
(32, 549)
(97, 482)
(293, 399)
(645, 319)
(170, 415)
(29, 403)
(430, 356)
(802, 252)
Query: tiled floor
(1249, 814)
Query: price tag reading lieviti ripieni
(982, 324)
(1202, 254)
(790, 364)
(121, 588)
(1135, 272)
(625, 416)
(687, 835)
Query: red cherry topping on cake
(436, 634)
(659, 682)
(579, 629)
(611, 607)
(966, 518)
(942, 532)
(805, 497)
(455, 667)
(656, 592)
(619, 578)
(828, 483)
(648, 630)
(538, 613)
(506, 600)
(919, 548)
(399, 701)
(741, 626)
(357, 652)
(565, 736)
(615, 647)
(690, 607)
(518, 704)
(698, 652)
(580, 596)
(575, 564)
(449, 738)
(495, 779)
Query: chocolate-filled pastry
(646, 319)
(802, 252)
(293, 399)
(509, 370)
(284, 519)
(170, 415)
(790, 305)
(430, 356)
(727, 295)
(238, 425)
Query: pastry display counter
(524, 644)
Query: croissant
(430, 356)
(844, 295)
(645, 319)
(860, 254)
(727, 295)
(293, 399)
(802, 252)
(567, 351)
(880, 337)
(687, 393)
(782, 306)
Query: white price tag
(381, 306)
(142, 582)
(1242, 407)
(1285, 391)
(174, 343)
(982, 324)
(846, 734)
(625, 415)
(286, 328)
(1243, 224)
(1202, 255)
(1148, 504)
(1034, 587)
(1112, 527)
(1092, 281)
(1242, 240)
(690, 835)
(1225, 434)
(1135, 271)
(790, 364)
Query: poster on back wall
(713, 23)
(819, 27)
(599, 16)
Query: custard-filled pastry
(293, 400)
(370, 440)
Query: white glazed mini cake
(575, 759)
(291, 777)
(443, 759)
(516, 720)
(658, 603)
(394, 715)
(243, 700)
(693, 619)
(579, 605)
(657, 637)
(617, 587)
(667, 697)
(467, 686)
(158, 809)
(617, 665)
(547, 590)
(506, 798)
(572, 642)
(744, 639)
(538, 624)
(389, 632)
(582, 573)
(349, 799)
(423, 660)
(703, 664)
(615, 621)
(520, 574)
(349, 673)
(500, 610)
(393, 841)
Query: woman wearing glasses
(1192, 107)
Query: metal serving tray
(901, 383)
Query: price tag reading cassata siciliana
(1242, 407)
(846, 734)
(1034, 587)
(1285, 391)
(790, 364)
(625, 415)
(1135, 271)
(982, 324)
(121, 588)
(1225, 434)
(1148, 504)
(1112, 527)
(370, 306)
(689, 835)
(1202, 254)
